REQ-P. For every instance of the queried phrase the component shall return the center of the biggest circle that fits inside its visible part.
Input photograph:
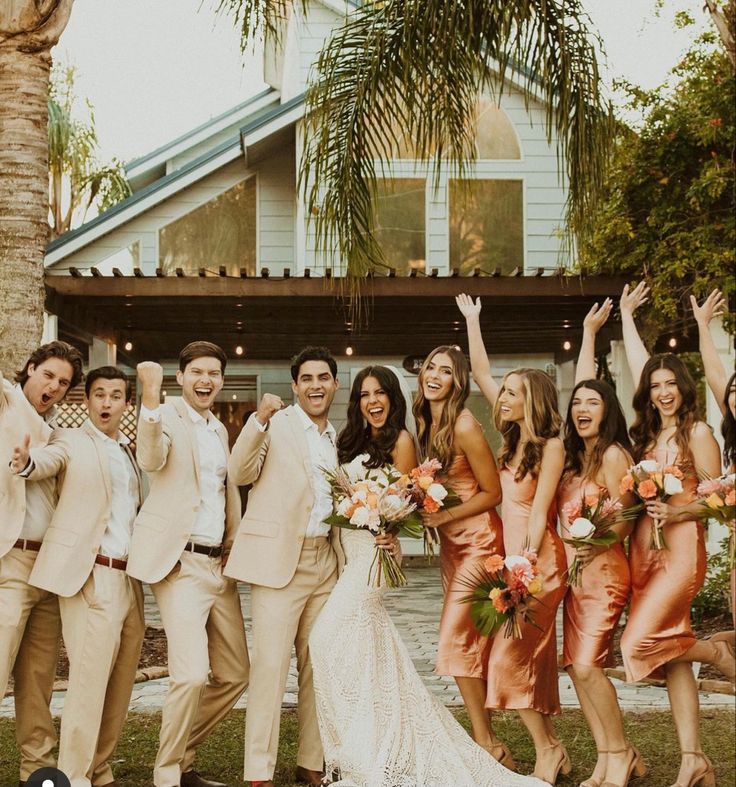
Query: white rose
(360, 517)
(360, 496)
(437, 492)
(355, 469)
(517, 560)
(344, 506)
(582, 528)
(649, 465)
(672, 484)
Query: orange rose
(626, 485)
(493, 564)
(673, 470)
(430, 505)
(647, 489)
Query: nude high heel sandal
(636, 768)
(564, 766)
(705, 777)
(502, 755)
(591, 781)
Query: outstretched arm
(593, 322)
(479, 363)
(715, 373)
(636, 353)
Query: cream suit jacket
(17, 418)
(78, 457)
(270, 537)
(168, 452)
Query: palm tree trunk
(28, 30)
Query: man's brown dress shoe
(193, 779)
(305, 776)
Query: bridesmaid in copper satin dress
(469, 532)
(522, 673)
(658, 638)
(724, 391)
(597, 456)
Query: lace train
(380, 726)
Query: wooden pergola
(271, 318)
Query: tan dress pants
(103, 631)
(282, 619)
(208, 659)
(30, 633)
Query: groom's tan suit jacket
(271, 534)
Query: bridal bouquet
(373, 499)
(718, 501)
(591, 522)
(502, 590)
(429, 495)
(649, 480)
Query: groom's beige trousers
(208, 659)
(282, 618)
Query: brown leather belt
(26, 543)
(111, 562)
(201, 549)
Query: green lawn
(222, 754)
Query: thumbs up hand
(21, 455)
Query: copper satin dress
(663, 585)
(592, 609)
(522, 673)
(464, 544)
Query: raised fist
(21, 455)
(270, 404)
(150, 375)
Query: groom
(283, 549)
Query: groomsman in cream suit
(83, 560)
(181, 539)
(29, 617)
(283, 548)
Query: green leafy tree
(78, 179)
(668, 215)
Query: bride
(380, 726)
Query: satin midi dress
(522, 673)
(663, 585)
(592, 609)
(464, 544)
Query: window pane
(400, 224)
(486, 225)
(495, 136)
(124, 259)
(220, 232)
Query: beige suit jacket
(167, 451)
(270, 537)
(17, 418)
(78, 457)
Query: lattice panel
(73, 414)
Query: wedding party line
(585, 513)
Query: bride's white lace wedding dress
(380, 726)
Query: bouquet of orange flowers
(591, 522)
(502, 590)
(374, 500)
(718, 501)
(649, 480)
(429, 495)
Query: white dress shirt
(209, 526)
(125, 496)
(322, 454)
(40, 496)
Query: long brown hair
(648, 424)
(441, 446)
(541, 418)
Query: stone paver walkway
(415, 610)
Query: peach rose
(493, 564)
(647, 489)
(627, 484)
(731, 498)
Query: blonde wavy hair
(441, 446)
(541, 418)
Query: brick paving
(415, 610)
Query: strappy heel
(706, 777)
(591, 781)
(505, 759)
(636, 767)
(564, 766)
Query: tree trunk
(28, 30)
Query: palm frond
(254, 17)
(414, 69)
